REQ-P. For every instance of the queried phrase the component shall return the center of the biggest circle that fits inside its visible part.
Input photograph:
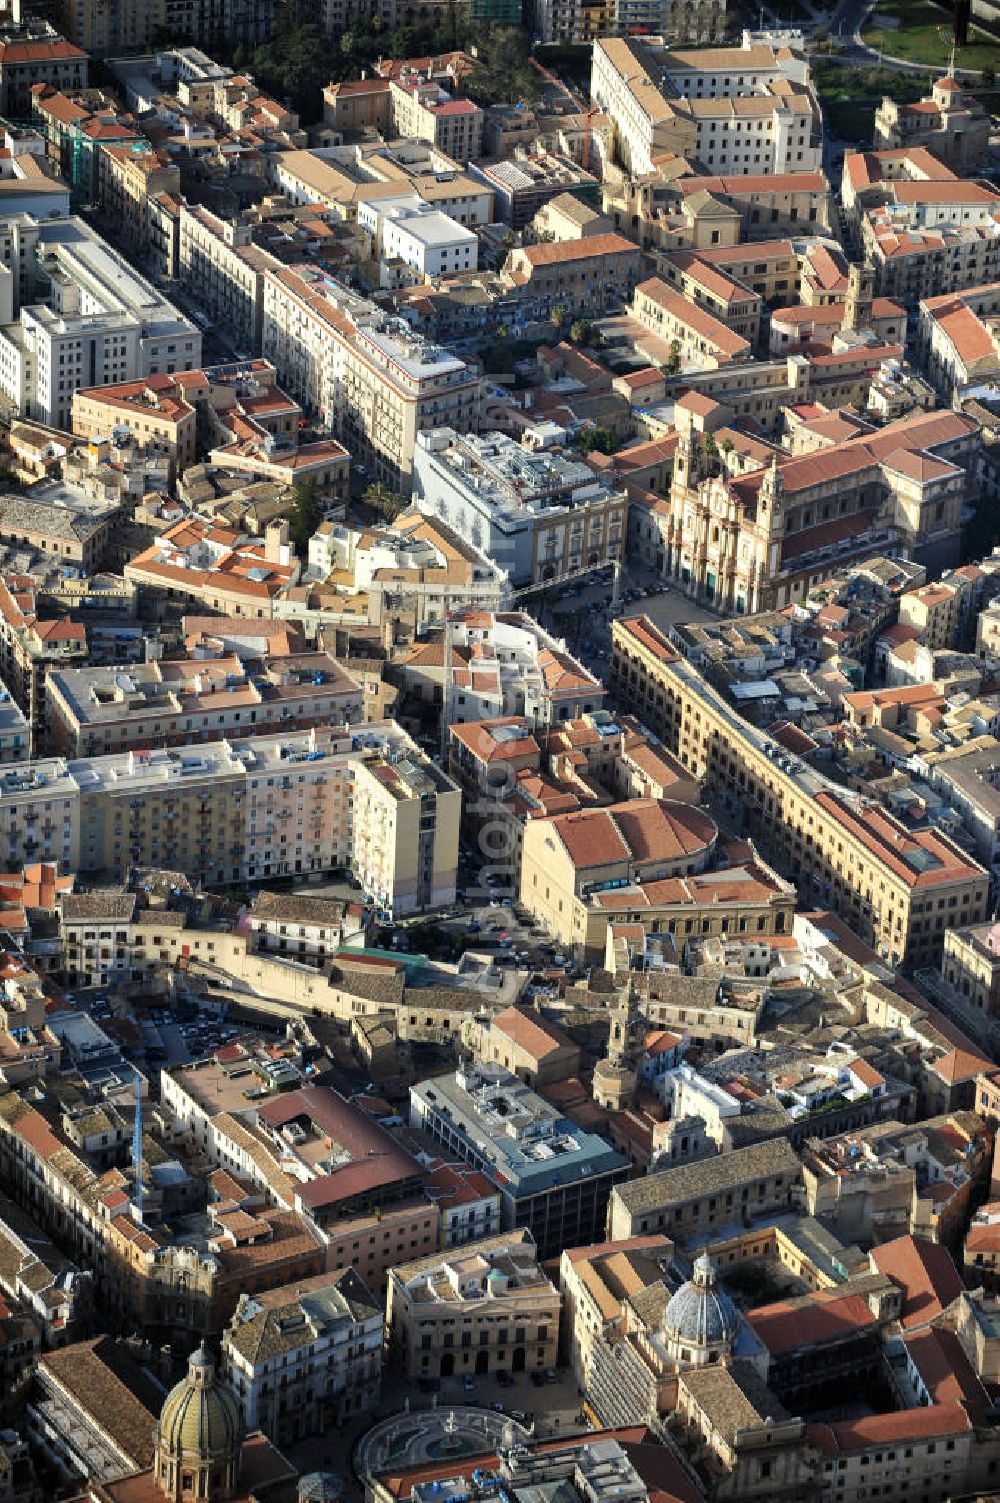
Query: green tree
(582, 331)
(387, 503)
(673, 365)
(307, 512)
(587, 440)
(558, 315)
(295, 62)
(504, 73)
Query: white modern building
(432, 243)
(84, 317)
(539, 514)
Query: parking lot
(581, 613)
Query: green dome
(200, 1418)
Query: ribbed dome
(700, 1314)
(200, 1418)
(321, 1487)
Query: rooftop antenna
(137, 1150)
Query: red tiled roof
(826, 1317)
(925, 1273)
(893, 1428)
(534, 1034)
(376, 1158)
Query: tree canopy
(307, 512)
(503, 73)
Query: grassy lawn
(924, 36)
(850, 96)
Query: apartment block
(468, 1204)
(103, 322)
(245, 809)
(958, 336)
(934, 611)
(482, 1309)
(130, 175)
(224, 271)
(422, 108)
(583, 21)
(307, 1357)
(405, 833)
(31, 644)
(897, 889)
(94, 711)
(32, 53)
(374, 384)
(152, 410)
(924, 231)
(109, 32)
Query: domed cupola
(700, 1321)
(199, 1437)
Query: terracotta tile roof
(922, 859)
(959, 1065)
(579, 250)
(110, 1387)
(659, 830)
(813, 1321)
(755, 183)
(866, 1073)
(481, 738)
(690, 316)
(648, 635)
(887, 1429)
(591, 838)
(925, 1273)
(38, 52)
(534, 1034)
